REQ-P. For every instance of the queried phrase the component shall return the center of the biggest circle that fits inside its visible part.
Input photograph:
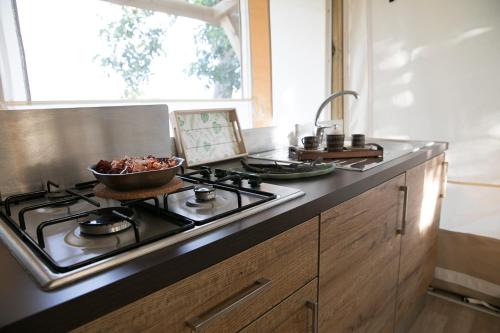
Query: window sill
(244, 107)
(75, 104)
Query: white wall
(430, 69)
(299, 62)
(12, 83)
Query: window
(188, 54)
(97, 50)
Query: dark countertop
(24, 306)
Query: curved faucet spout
(320, 130)
(329, 99)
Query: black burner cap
(105, 221)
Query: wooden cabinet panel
(294, 315)
(418, 244)
(288, 261)
(359, 257)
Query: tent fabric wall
(469, 243)
(468, 265)
(430, 70)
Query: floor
(443, 316)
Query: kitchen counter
(25, 306)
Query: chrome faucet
(320, 130)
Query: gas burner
(57, 209)
(106, 221)
(221, 202)
(54, 192)
(50, 210)
(78, 239)
(60, 199)
(57, 195)
(204, 193)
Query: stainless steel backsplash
(59, 144)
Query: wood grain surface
(359, 257)
(419, 244)
(289, 260)
(103, 191)
(305, 154)
(290, 316)
(260, 44)
(199, 142)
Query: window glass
(96, 50)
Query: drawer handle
(314, 307)
(402, 230)
(197, 323)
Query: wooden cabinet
(359, 258)
(378, 253)
(419, 241)
(227, 296)
(296, 314)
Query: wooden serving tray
(302, 154)
(206, 136)
(103, 191)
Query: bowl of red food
(133, 173)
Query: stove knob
(219, 173)
(205, 171)
(236, 180)
(254, 181)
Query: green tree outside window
(134, 44)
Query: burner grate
(37, 243)
(204, 176)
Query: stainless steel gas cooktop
(61, 236)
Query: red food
(103, 166)
(135, 164)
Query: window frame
(14, 82)
(337, 55)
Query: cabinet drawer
(227, 296)
(296, 314)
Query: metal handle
(445, 180)
(197, 323)
(313, 305)
(402, 230)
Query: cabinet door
(359, 257)
(227, 296)
(419, 242)
(296, 314)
